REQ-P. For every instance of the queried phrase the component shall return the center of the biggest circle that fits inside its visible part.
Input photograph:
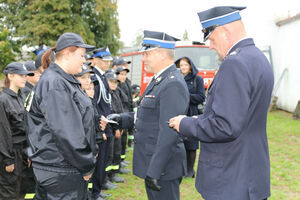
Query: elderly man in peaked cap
(234, 158)
(159, 155)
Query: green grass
(284, 145)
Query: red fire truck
(204, 59)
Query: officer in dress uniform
(102, 98)
(234, 158)
(159, 155)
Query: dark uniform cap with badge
(17, 68)
(102, 53)
(120, 69)
(85, 69)
(218, 16)
(71, 39)
(153, 40)
(120, 61)
(30, 65)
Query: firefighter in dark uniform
(102, 98)
(234, 158)
(159, 155)
(31, 80)
(59, 121)
(13, 159)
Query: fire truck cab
(204, 59)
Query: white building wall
(286, 54)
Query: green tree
(139, 38)
(8, 48)
(39, 22)
(185, 36)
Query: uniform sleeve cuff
(185, 127)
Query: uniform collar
(10, 92)
(29, 85)
(242, 42)
(65, 75)
(163, 74)
(99, 70)
(161, 71)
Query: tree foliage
(38, 22)
(8, 48)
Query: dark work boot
(117, 179)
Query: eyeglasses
(208, 31)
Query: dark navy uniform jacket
(159, 151)
(59, 121)
(103, 108)
(234, 158)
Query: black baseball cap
(120, 61)
(110, 75)
(30, 65)
(85, 69)
(71, 39)
(121, 68)
(17, 68)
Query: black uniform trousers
(114, 158)
(99, 173)
(59, 185)
(124, 143)
(16, 184)
(169, 190)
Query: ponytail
(46, 59)
(6, 82)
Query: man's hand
(104, 136)
(152, 183)
(10, 168)
(118, 134)
(175, 122)
(86, 178)
(103, 123)
(28, 162)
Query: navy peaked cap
(103, 53)
(153, 40)
(218, 16)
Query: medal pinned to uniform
(150, 96)
(158, 79)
